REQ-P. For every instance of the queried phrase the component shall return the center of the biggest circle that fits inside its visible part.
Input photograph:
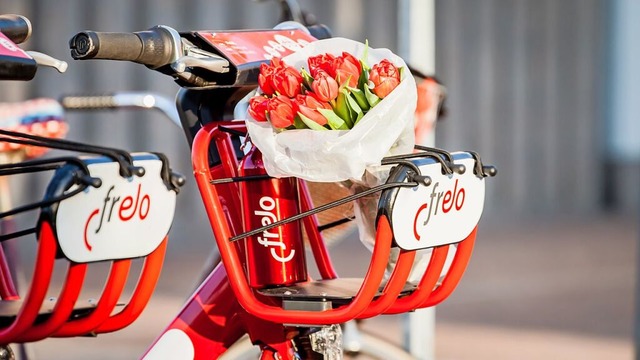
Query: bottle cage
(407, 218)
(109, 208)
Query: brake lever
(196, 57)
(214, 64)
(46, 60)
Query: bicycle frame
(224, 307)
(215, 316)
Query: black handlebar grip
(153, 47)
(16, 27)
(320, 31)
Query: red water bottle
(274, 256)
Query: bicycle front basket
(407, 222)
(107, 209)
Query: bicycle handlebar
(16, 27)
(123, 100)
(154, 47)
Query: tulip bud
(282, 111)
(325, 87)
(287, 81)
(265, 79)
(258, 106)
(308, 106)
(348, 69)
(385, 77)
(324, 62)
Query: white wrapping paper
(337, 155)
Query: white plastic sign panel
(445, 212)
(124, 218)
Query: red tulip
(313, 102)
(385, 77)
(347, 67)
(287, 81)
(258, 106)
(324, 62)
(265, 77)
(308, 105)
(282, 111)
(325, 87)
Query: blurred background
(548, 91)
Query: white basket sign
(124, 218)
(445, 212)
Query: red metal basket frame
(60, 322)
(364, 304)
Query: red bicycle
(262, 287)
(27, 130)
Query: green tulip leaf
(310, 123)
(342, 109)
(298, 123)
(364, 73)
(364, 76)
(307, 79)
(356, 111)
(360, 116)
(372, 98)
(365, 55)
(335, 122)
(360, 98)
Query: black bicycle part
(17, 68)
(79, 177)
(123, 158)
(481, 170)
(82, 178)
(16, 27)
(153, 48)
(196, 108)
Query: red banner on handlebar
(242, 47)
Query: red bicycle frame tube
(39, 285)
(213, 320)
(7, 287)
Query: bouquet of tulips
(330, 110)
(334, 93)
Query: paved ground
(559, 289)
